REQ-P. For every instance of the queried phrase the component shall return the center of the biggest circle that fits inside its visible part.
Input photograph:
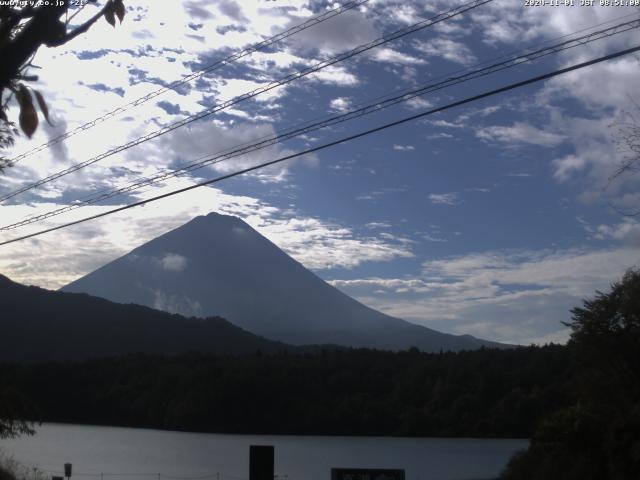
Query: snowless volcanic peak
(217, 265)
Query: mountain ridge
(43, 325)
(218, 265)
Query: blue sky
(492, 219)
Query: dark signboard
(261, 462)
(366, 474)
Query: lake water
(139, 454)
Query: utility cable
(349, 138)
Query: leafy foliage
(598, 437)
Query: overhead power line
(349, 138)
(275, 84)
(193, 76)
(388, 101)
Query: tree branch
(86, 25)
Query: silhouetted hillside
(38, 324)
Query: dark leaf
(22, 94)
(43, 106)
(28, 116)
(118, 6)
(109, 14)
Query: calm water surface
(138, 454)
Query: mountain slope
(218, 265)
(38, 324)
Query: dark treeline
(484, 393)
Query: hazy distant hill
(37, 324)
(219, 265)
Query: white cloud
(413, 284)
(403, 148)
(628, 203)
(335, 75)
(389, 55)
(373, 225)
(445, 124)
(433, 238)
(176, 303)
(173, 262)
(340, 104)
(567, 165)
(403, 13)
(377, 194)
(627, 231)
(447, 49)
(594, 160)
(418, 103)
(622, 72)
(230, 88)
(451, 198)
(519, 133)
(321, 245)
(437, 136)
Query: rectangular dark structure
(261, 462)
(366, 474)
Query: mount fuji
(217, 265)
